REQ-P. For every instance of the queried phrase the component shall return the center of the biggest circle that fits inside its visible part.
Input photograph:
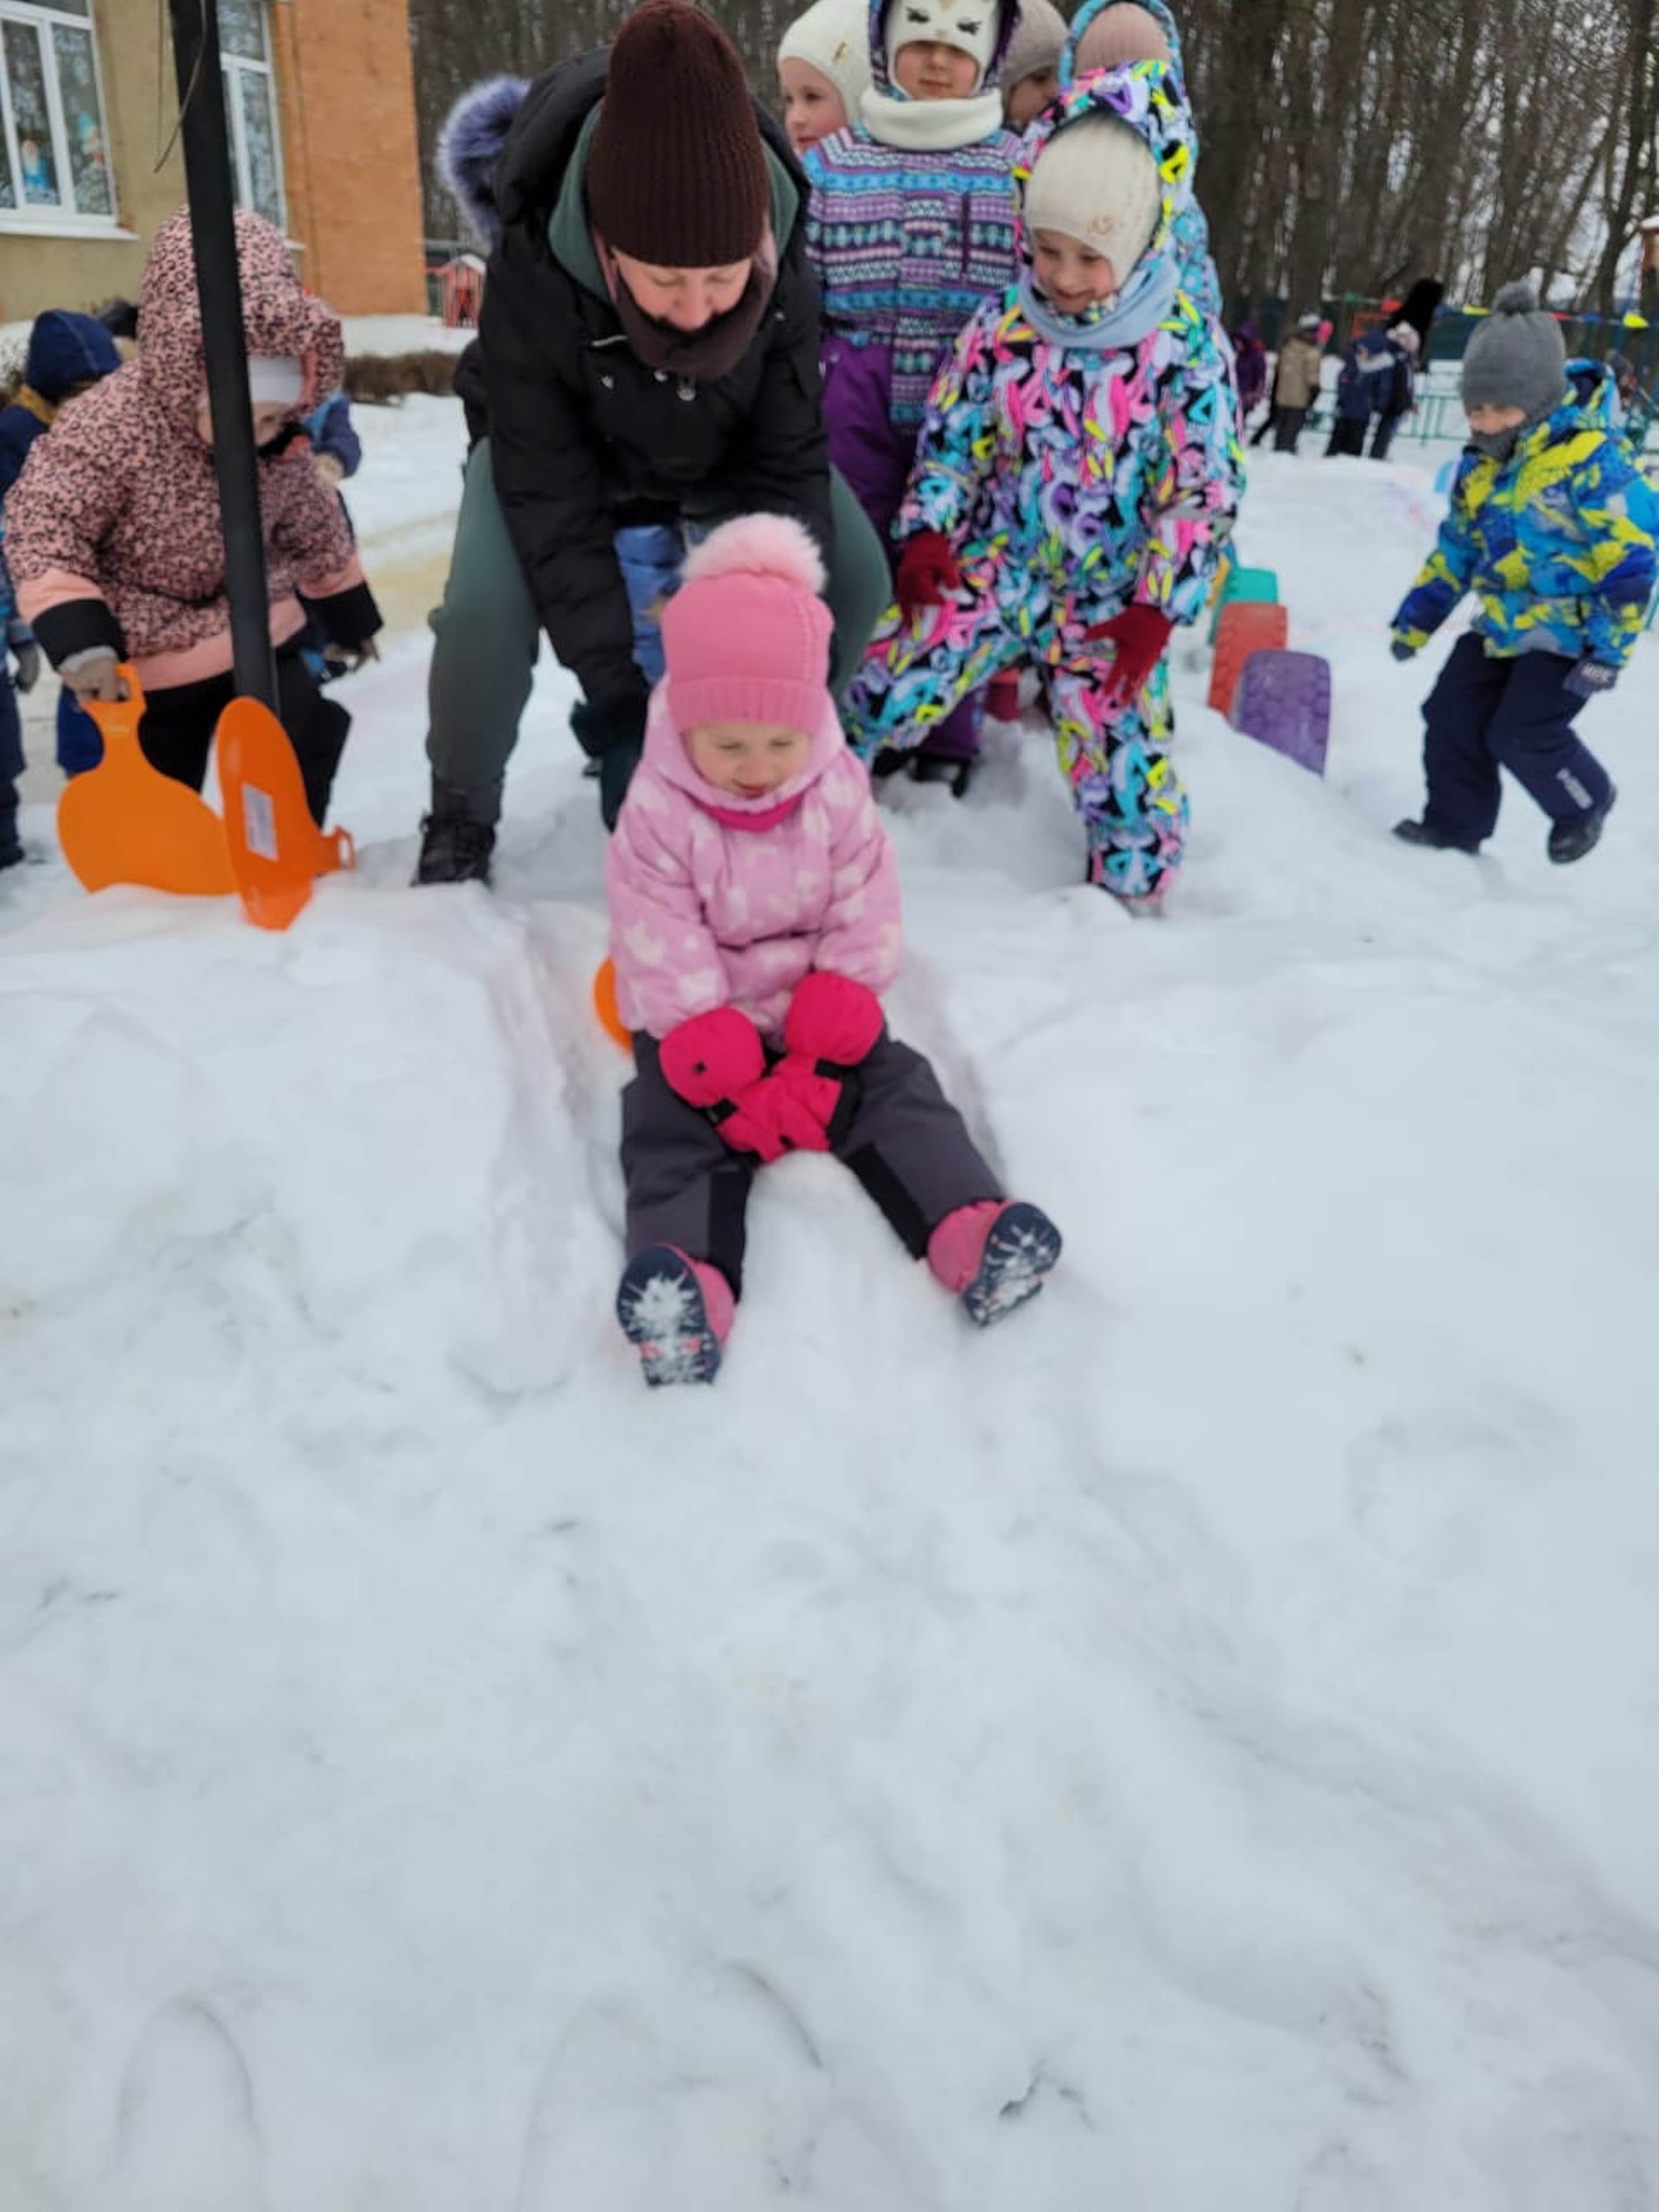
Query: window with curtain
(251, 108)
(54, 145)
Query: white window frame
(233, 69)
(61, 220)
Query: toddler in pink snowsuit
(754, 924)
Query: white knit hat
(833, 37)
(1096, 181)
(970, 26)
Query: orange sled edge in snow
(605, 1005)
(124, 821)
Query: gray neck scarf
(1136, 312)
(1498, 444)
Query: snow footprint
(187, 2130)
(720, 2103)
(1422, 1490)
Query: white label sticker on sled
(258, 821)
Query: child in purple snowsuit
(910, 228)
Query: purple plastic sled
(1284, 700)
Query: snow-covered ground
(384, 334)
(1194, 1747)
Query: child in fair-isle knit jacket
(754, 927)
(910, 227)
(1076, 482)
(1553, 529)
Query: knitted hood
(881, 76)
(279, 316)
(1145, 97)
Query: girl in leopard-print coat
(113, 531)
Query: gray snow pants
(903, 1140)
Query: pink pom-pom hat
(746, 637)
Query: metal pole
(224, 343)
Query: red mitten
(710, 1059)
(833, 1024)
(928, 573)
(1139, 634)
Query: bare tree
(1348, 145)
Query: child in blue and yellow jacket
(1553, 531)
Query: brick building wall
(351, 167)
(353, 197)
(40, 269)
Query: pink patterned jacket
(717, 901)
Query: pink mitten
(710, 1059)
(717, 1063)
(834, 1024)
(770, 1119)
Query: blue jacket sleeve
(1620, 515)
(1444, 576)
(331, 431)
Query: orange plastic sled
(124, 821)
(1246, 626)
(605, 1005)
(275, 849)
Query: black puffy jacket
(584, 437)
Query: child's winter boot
(1437, 841)
(995, 1256)
(1580, 833)
(677, 1311)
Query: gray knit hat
(1516, 357)
(1037, 45)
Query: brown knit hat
(677, 175)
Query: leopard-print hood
(279, 315)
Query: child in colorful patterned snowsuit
(1554, 530)
(1076, 482)
(910, 228)
(754, 926)
(1113, 34)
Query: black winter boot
(1425, 833)
(1572, 839)
(457, 837)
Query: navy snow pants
(1487, 713)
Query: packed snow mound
(1191, 1747)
